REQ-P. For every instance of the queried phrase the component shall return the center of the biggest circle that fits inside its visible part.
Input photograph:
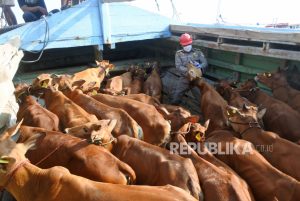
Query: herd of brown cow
(116, 145)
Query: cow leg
(181, 86)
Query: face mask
(187, 48)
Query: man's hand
(43, 10)
(196, 64)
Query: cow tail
(128, 172)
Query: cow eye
(85, 129)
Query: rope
(175, 13)
(48, 155)
(251, 125)
(157, 5)
(46, 40)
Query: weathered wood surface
(254, 34)
(265, 49)
(119, 66)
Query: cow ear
(11, 132)
(45, 83)
(206, 124)
(112, 125)
(246, 107)
(192, 119)
(5, 161)
(162, 110)
(30, 143)
(78, 84)
(261, 113)
(92, 84)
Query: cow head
(244, 118)
(21, 91)
(43, 80)
(86, 87)
(178, 117)
(11, 153)
(97, 132)
(140, 73)
(272, 80)
(248, 87)
(196, 132)
(224, 88)
(105, 66)
(193, 72)
(61, 82)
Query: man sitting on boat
(183, 57)
(33, 9)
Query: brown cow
(45, 80)
(119, 85)
(232, 96)
(213, 106)
(32, 112)
(77, 155)
(153, 85)
(126, 79)
(159, 166)
(279, 118)
(266, 182)
(218, 181)
(137, 82)
(69, 113)
(152, 101)
(155, 128)
(281, 88)
(27, 182)
(114, 86)
(142, 98)
(178, 116)
(284, 154)
(125, 123)
(91, 78)
(98, 133)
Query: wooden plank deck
(276, 43)
(120, 66)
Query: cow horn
(246, 107)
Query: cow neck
(21, 179)
(252, 96)
(250, 131)
(49, 95)
(203, 86)
(26, 183)
(111, 145)
(248, 126)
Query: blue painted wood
(76, 26)
(92, 23)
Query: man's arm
(26, 8)
(203, 61)
(178, 64)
